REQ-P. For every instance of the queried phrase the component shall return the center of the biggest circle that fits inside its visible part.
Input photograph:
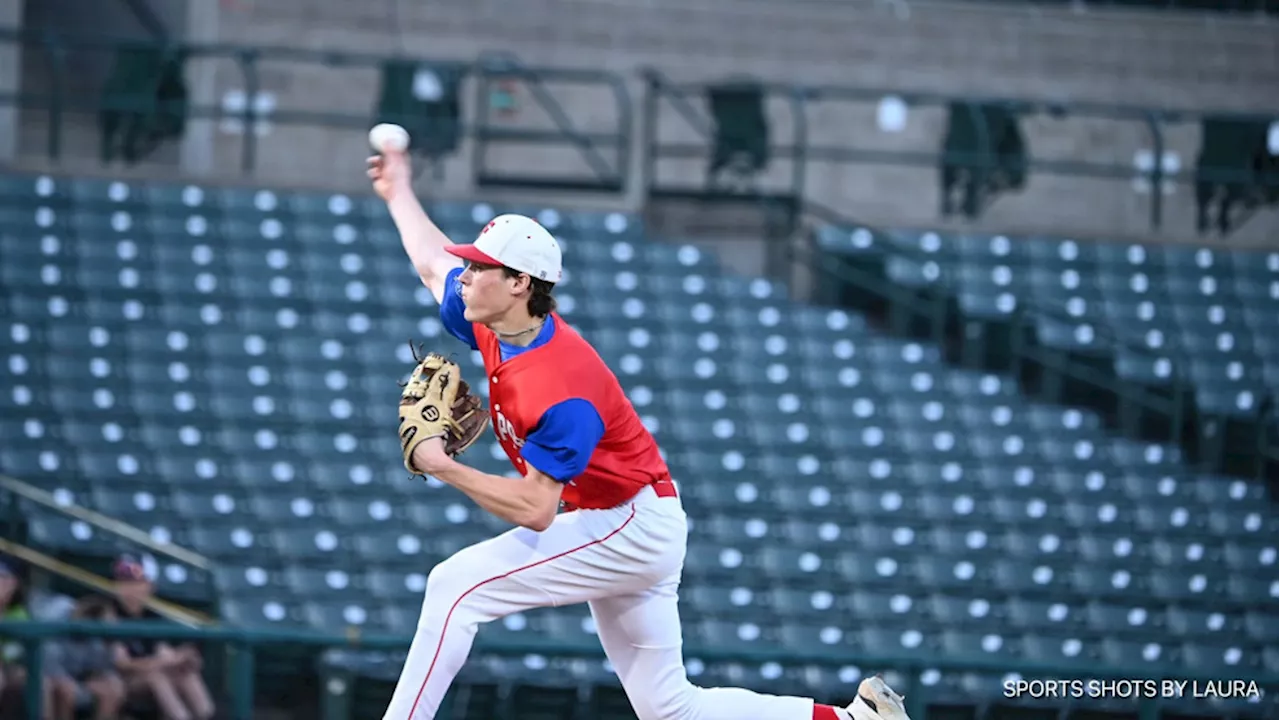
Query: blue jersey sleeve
(452, 309)
(564, 439)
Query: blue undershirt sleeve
(562, 442)
(452, 311)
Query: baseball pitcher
(599, 518)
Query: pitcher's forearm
(423, 241)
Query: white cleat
(876, 701)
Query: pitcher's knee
(445, 584)
(453, 586)
(667, 701)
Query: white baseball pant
(625, 562)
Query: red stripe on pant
(445, 628)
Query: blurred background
(956, 322)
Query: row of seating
(333, 443)
(815, 638)
(91, 196)
(1232, 575)
(887, 521)
(1203, 314)
(755, 601)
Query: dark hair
(541, 302)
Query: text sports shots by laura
(598, 518)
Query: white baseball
(386, 137)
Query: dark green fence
(146, 94)
(145, 101)
(982, 142)
(1235, 7)
(244, 644)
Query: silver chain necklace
(518, 333)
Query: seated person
(170, 674)
(90, 662)
(59, 692)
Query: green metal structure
(245, 644)
(145, 88)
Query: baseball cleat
(876, 701)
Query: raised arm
(423, 241)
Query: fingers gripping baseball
(389, 169)
(437, 403)
(391, 175)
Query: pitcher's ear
(522, 282)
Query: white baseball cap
(517, 242)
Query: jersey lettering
(506, 431)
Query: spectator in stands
(59, 693)
(90, 662)
(170, 674)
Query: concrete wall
(1161, 60)
(1168, 60)
(82, 75)
(10, 76)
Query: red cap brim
(472, 254)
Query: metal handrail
(905, 296)
(246, 642)
(164, 608)
(836, 219)
(104, 522)
(1267, 445)
(1168, 406)
(247, 59)
(802, 151)
(1223, 7)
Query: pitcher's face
(489, 293)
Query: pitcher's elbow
(538, 524)
(538, 520)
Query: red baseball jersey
(522, 388)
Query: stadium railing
(935, 306)
(1240, 7)
(244, 643)
(606, 153)
(798, 152)
(15, 491)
